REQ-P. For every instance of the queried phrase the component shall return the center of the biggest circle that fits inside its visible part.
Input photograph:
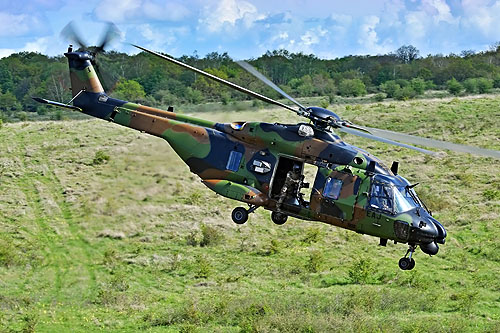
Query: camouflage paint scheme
(206, 146)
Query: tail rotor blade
(109, 35)
(69, 33)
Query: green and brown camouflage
(248, 162)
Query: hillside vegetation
(401, 75)
(104, 228)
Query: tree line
(146, 79)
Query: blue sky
(247, 28)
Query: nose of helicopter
(428, 232)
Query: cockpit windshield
(393, 199)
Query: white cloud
(368, 37)
(482, 17)
(6, 52)
(18, 25)
(158, 39)
(39, 45)
(439, 10)
(122, 11)
(228, 13)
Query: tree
(129, 90)
(352, 87)
(407, 53)
(454, 87)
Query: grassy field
(104, 229)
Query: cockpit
(394, 196)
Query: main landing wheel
(239, 215)
(278, 218)
(406, 264)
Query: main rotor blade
(218, 79)
(249, 68)
(417, 140)
(381, 139)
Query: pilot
(290, 187)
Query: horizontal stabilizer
(62, 105)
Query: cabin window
(332, 188)
(233, 163)
(381, 197)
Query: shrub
(1, 122)
(454, 87)
(209, 235)
(324, 103)
(203, 267)
(484, 85)
(315, 261)
(352, 87)
(23, 116)
(390, 88)
(100, 158)
(418, 85)
(312, 235)
(470, 85)
(496, 81)
(405, 93)
(362, 271)
(379, 97)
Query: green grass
(104, 228)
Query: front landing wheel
(239, 215)
(406, 264)
(278, 218)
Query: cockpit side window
(332, 188)
(381, 197)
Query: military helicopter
(252, 162)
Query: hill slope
(102, 227)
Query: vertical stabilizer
(82, 73)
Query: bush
(315, 261)
(23, 116)
(405, 93)
(362, 271)
(1, 122)
(484, 85)
(379, 97)
(390, 88)
(454, 87)
(100, 158)
(312, 236)
(324, 103)
(203, 267)
(496, 81)
(352, 87)
(209, 235)
(418, 85)
(470, 86)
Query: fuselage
(248, 161)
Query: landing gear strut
(240, 214)
(407, 262)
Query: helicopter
(262, 164)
